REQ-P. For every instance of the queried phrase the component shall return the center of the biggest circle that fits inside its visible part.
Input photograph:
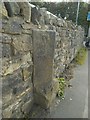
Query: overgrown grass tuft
(81, 56)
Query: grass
(81, 56)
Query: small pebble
(70, 98)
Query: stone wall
(18, 51)
(17, 64)
(68, 37)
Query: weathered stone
(17, 19)
(10, 81)
(7, 97)
(1, 51)
(58, 29)
(11, 65)
(27, 72)
(45, 93)
(59, 22)
(53, 21)
(29, 32)
(43, 55)
(43, 64)
(42, 20)
(12, 8)
(22, 43)
(27, 106)
(17, 113)
(35, 15)
(47, 19)
(12, 27)
(6, 39)
(26, 26)
(25, 11)
(6, 113)
(6, 50)
(4, 11)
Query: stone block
(35, 15)
(27, 72)
(44, 42)
(6, 39)
(6, 50)
(60, 22)
(10, 81)
(27, 106)
(1, 46)
(9, 111)
(11, 27)
(12, 8)
(6, 97)
(20, 89)
(29, 32)
(25, 11)
(44, 86)
(22, 44)
(4, 11)
(46, 93)
(13, 64)
(47, 19)
(28, 95)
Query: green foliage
(81, 56)
(33, 114)
(60, 92)
(62, 84)
(25, 116)
(83, 13)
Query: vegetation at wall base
(81, 56)
(62, 84)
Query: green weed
(62, 84)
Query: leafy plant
(33, 114)
(62, 84)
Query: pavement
(75, 104)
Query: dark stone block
(9, 98)
(6, 50)
(25, 10)
(11, 81)
(12, 8)
(35, 15)
(12, 27)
